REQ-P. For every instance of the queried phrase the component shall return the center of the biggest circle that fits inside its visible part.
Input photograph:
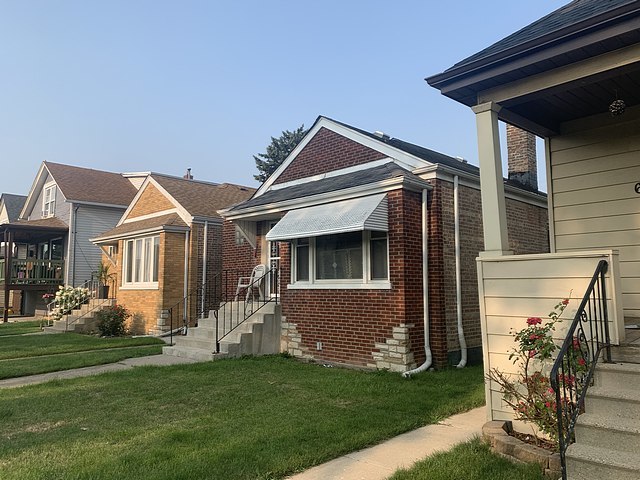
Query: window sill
(340, 286)
(141, 286)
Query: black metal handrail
(236, 310)
(573, 370)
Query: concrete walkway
(160, 360)
(381, 461)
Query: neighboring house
(573, 78)
(346, 219)
(48, 245)
(166, 249)
(10, 207)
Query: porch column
(7, 274)
(494, 214)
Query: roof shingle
(13, 204)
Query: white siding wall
(514, 288)
(594, 171)
(91, 221)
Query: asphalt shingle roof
(571, 14)
(170, 219)
(203, 199)
(94, 186)
(13, 204)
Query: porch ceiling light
(617, 107)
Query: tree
(277, 151)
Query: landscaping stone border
(497, 432)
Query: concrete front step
(609, 428)
(619, 401)
(192, 353)
(618, 376)
(629, 354)
(586, 462)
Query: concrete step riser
(613, 406)
(617, 380)
(199, 356)
(613, 439)
(191, 343)
(578, 469)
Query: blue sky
(162, 86)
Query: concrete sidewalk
(381, 461)
(160, 360)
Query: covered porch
(32, 260)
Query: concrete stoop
(608, 433)
(258, 335)
(80, 320)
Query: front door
(273, 264)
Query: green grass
(249, 418)
(469, 461)
(37, 345)
(19, 328)
(21, 367)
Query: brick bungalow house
(347, 219)
(166, 248)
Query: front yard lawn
(470, 460)
(34, 354)
(249, 418)
(20, 328)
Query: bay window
(140, 263)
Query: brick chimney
(521, 152)
(188, 176)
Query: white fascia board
(395, 153)
(37, 185)
(139, 233)
(201, 219)
(150, 215)
(184, 214)
(96, 204)
(442, 172)
(345, 194)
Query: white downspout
(456, 214)
(204, 265)
(425, 290)
(185, 289)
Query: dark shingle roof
(203, 199)
(53, 223)
(564, 18)
(170, 219)
(331, 184)
(13, 204)
(80, 184)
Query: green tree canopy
(277, 151)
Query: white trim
(346, 132)
(52, 187)
(37, 184)
(139, 286)
(326, 197)
(550, 213)
(140, 233)
(179, 209)
(340, 286)
(150, 215)
(134, 285)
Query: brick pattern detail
(151, 201)
(325, 152)
(521, 152)
(291, 342)
(395, 354)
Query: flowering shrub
(111, 321)
(530, 393)
(67, 299)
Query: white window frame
(143, 249)
(366, 282)
(49, 200)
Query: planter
(103, 292)
(497, 434)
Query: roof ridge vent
(461, 159)
(381, 135)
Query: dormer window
(49, 201)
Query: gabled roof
(13, 204)
(571, 17)
(341, 182)
(202, 199)
(80, 184)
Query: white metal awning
(364, 213)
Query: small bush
(111, 321)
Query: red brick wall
(328, 151)
(350, 322)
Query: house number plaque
(637, 187)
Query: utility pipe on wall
(456, 215)
(185, 290)
(204, 265)
(425, 290)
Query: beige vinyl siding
(594, 172)
(514, 288)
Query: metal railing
(573, 370)
(33, 272)
(231, 305)
(233, 312)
